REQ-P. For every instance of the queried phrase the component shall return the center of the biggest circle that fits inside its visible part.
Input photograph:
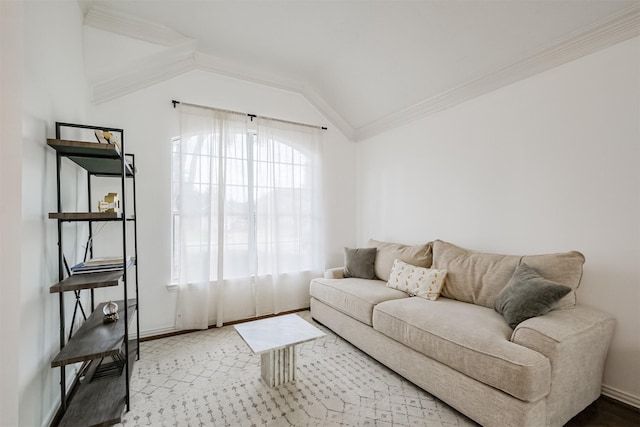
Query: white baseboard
(621, 396)
(153, 332)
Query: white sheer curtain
(212, 159)
(289, 210)
(250, 230)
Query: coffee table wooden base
(278, 366)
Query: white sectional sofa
(459, 348)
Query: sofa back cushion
(478, 278)
(419, 255)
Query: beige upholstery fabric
(469, 338)
(334, 273)
(576, 341)
(419, 255)
(485, 404)
(461, 352)
(473, 277)
(355, 297)
(478, 278)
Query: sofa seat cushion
(354, 297)
(472, 339)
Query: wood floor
(606, 412)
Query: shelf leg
(63, 376)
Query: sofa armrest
(334, 273)
(576, 341)
(561, 325)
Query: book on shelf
(100, 265)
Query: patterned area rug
(211, 378)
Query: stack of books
(100, 265)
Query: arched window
(246, 201)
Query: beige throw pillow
(416, 281)
(419, 255)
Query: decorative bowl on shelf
(110, 311)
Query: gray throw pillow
(527, 295)
(359, 262)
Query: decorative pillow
(359, 262)
(417, 281)
(478, 278)
(419, 255)
(564, 268)
(528, 295)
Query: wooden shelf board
(88, 216)
(98, 159)
(101, 166)
(95, 339)
(87, 281)
(69, 147)
(102, 402)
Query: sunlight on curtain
(212, 151)
(249, 228)
(288, 198)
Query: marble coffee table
(275, 339)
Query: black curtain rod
(252, 116)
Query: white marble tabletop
(277, 332)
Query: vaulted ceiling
(367, 65)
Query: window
(262, 191)
(247, 207)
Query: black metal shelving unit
(101, 389)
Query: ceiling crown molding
(145, 72)
(85, 6)
(326, 110)
(602, 34)
(124, 24)
(180, 58)
(227, 68)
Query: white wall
(49, 85)
(150, 121)
(10, 207)
(54, 89)
(548, 164)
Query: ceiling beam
(144, 72)
(107, 19)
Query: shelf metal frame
(71, 150)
